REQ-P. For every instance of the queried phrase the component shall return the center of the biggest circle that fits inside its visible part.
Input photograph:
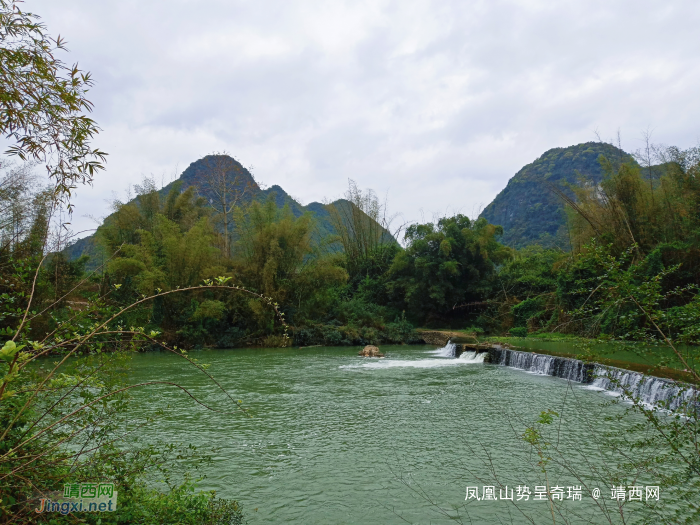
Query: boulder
(370, 351)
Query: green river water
(339, 439)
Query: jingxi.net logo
(79, 497)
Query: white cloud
(438, 103)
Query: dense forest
(343, 279)
(530, 212)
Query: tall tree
(277, 256)
(225, 186)
(363, 227)
(445, 265)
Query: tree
(225, 187)
(67, 423)
(18, 190)
(445, 265)
(277, 256)
(43, 102)
(632, 207)
(364, 231)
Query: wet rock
(370, 351)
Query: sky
(433, 105)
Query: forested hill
(529, 211)
(196, 175)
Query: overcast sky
(437, 103)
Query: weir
(460, 352)
(548, 365)
(653, 391)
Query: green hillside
(196, 175)
(529, 211)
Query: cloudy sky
(436, 104)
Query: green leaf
(9, 350)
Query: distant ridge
(193, 176)
(529, 211)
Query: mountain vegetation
(224, 185)
(341, 278)
(528, 208)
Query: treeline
(359, 286)
(640, 225)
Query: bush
(682, 321)
(304, 337)
(527, 309)
(400, 331)
(332, 336)
(518, 331)
(231, 338)
(224, 512)
(275, 341)
(357, 312)
(182, 505)
(369, 336)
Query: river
(334, 438)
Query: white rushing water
(445, 357)
(571, 369)
(653, 391)
(472, 357)
(449, 350)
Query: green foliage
(209, 309)
(532, 271)
(654, 208)
(629, 296)
(532, 214)
(362, 227)
(682, 323)
(357, 312)
(526, 310)
(66, 420)
(63, 421)
(445, 265)
(400, 331)
(276, 255)
(43, 103)
(518, 331)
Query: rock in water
(370, 351)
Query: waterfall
(653, 391)
(473, 357)
(449, 350)
(548, 365)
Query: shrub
(275, 341)
(525, 310)
(231, 338)
(332, 336)
(518, 331)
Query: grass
(658, 360)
